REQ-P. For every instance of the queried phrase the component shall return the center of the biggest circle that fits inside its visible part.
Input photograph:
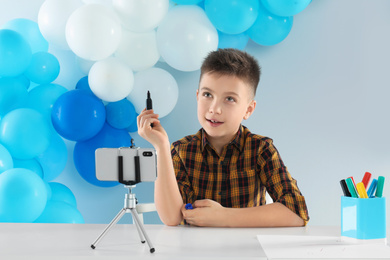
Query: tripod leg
(112, 223)
(139, 232)
(141, 227)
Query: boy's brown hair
(233, 62)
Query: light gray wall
(323, 98)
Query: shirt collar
(237, 141)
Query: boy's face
(223, 102)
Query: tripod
(129, 207)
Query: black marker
(149, 104)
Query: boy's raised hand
(155, 135)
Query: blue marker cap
(372, 188)
(189, 206)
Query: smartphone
(108, 165)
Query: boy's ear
(197, 94)
(250, 109)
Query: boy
(224, 169)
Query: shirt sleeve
(185, 187)
(279, 184)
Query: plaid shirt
(239, 176)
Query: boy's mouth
(214, 122)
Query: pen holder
(363, 219)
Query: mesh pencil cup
(363, 219)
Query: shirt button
(220, 193)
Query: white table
(72, 241)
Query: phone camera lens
(147, 154)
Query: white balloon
(93, 32)
(185, 37)
(138, 50)
(52, 18)
(163, 89)
(141, 15)
(111, 79)
(107, 3)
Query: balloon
(60, 212)
(83, 84)
(15, 53)
(120, 114)
(236, 41)
(43, 97)
(138, 50)
(93, 32)
(84, 65)
(270, 29)
(30, 32)
(77, 115)
(52, 18)
(25, 133)
(32, 165)
(133, 127)
(141, 16)
(44, 68)
(111, 79)
(231, 16)
(53, 159)
(285, 7)
(23, 196)
(6, 161)
(162, 86)
(185, 37)
(84, 153)
(59, 192)
(13, 94)
(187, 2)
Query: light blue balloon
(60, 212)
(120, 114)
(32, 165)
(13, 94)
(236, 41)
(84, 152)
(187, 2)
(43, 68)
(30, 31)
(53, 159)
(15, 53)
(232, 16)
(25, 133)
(59, 192)
(23, 196)
(77, 115)
(6, 161)
(285, 7)
(270, 29)
(43, 97)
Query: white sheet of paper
(312, 247)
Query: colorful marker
(372, 188)
(189, 206)
(366, 179)
(361, 190)
(351, 187)
(344, 187)
(379, 187)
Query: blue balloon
(270, 29)
(15, 53)
(133, 127)
(83, 84)
(44, 68)
(59, 192)
(236, 41)
(120, 114)
(23, 196)
(285, 7)
(13, 94)
(43, 97)
(53, 159)
(60, 212)
(77, 115)
(32, 165)
(187, 2)
(84, 153)
(6, 161)
(25, 133)
(232, 16)
(30, 32)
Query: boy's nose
(215, 108)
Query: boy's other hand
(205, 213)
(155, 135)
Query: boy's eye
(230, 99)
(206, 94)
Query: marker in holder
(363, 219)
